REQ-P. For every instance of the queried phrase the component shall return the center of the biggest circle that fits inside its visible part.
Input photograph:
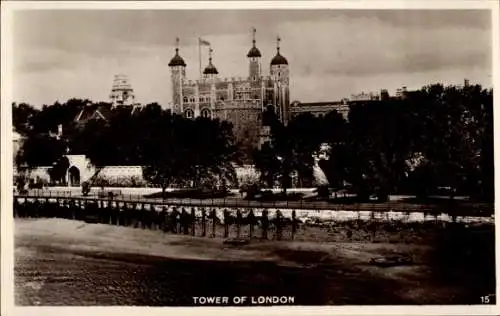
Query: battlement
(227, 80)
(244, 103)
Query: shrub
(37, 183)
(252, 191)
(20, 182)
(123, 181)
(85, 188)
(323, 192)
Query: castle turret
(254, 61)
(279, 65)
(210, 71)
(280, 76)
(177, 74)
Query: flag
(203, 42)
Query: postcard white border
(7, 297)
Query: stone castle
(240, 101)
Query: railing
(456, 208)
(238, 223)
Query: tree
(435, 136)
(378, 143)
(290, 150)
(448, 127)
(40, 150)
(336, 162)
(51, 116)
(58, 171)
(177, 149)
(306, 133)
(267, 162)
(455, 135)
(22, 117)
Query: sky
(332, 53)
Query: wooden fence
(178, 220)
(457, 207)
(248, 223)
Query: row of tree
(433, 137)
(173, 150)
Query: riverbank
(65, 262)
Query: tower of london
(240, 101)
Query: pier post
(238, 223)
(265, 223)
(278, 224)
(203, 222)
(251, 221)
(192, 219)
(184, 222)
(226, 224)
(213, 215)
(15, 207)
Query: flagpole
(199, 55)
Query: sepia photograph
(225, 157)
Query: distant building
(122, 92)
(384, 95)
(365, 97)
(93, 112)
(320, 108)
(121, 96)
(401, 92)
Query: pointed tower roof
(210, 69)
(278, 59)
(254, 51)
(177, 59)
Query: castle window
(205, 113)
(185, 99)
(191, 99)
(189, 113)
